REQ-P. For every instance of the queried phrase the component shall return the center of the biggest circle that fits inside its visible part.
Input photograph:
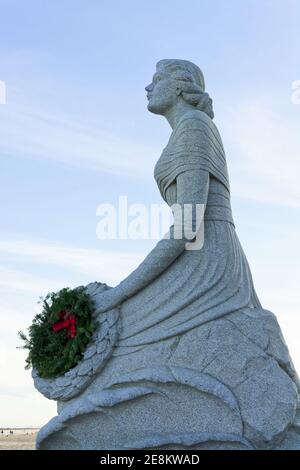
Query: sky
(75, 133)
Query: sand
(21, 439)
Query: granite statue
(184, 356)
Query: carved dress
(198, 362)
(201, 285)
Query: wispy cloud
(105, 266)
(262, 146)
(33, 133)
(263, 149)
(23, 281)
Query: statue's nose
(149, 87)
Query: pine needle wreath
(52, 353)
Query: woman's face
(161, 93)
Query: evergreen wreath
(59, 335)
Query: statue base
(228, 384)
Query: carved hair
(191, 81)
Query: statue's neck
(175, 113)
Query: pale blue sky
(75, 132)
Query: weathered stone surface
(217, 360)
(90, 352)
(184, 356)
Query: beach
(18, 439)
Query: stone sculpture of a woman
(195, 361)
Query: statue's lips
(149, 96)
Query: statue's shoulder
(195, 125)
(194, 120)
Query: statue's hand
(107, 300)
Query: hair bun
(205, 104)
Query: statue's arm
(192, 188)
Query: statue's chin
(153, 108)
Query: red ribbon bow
(68, 322)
